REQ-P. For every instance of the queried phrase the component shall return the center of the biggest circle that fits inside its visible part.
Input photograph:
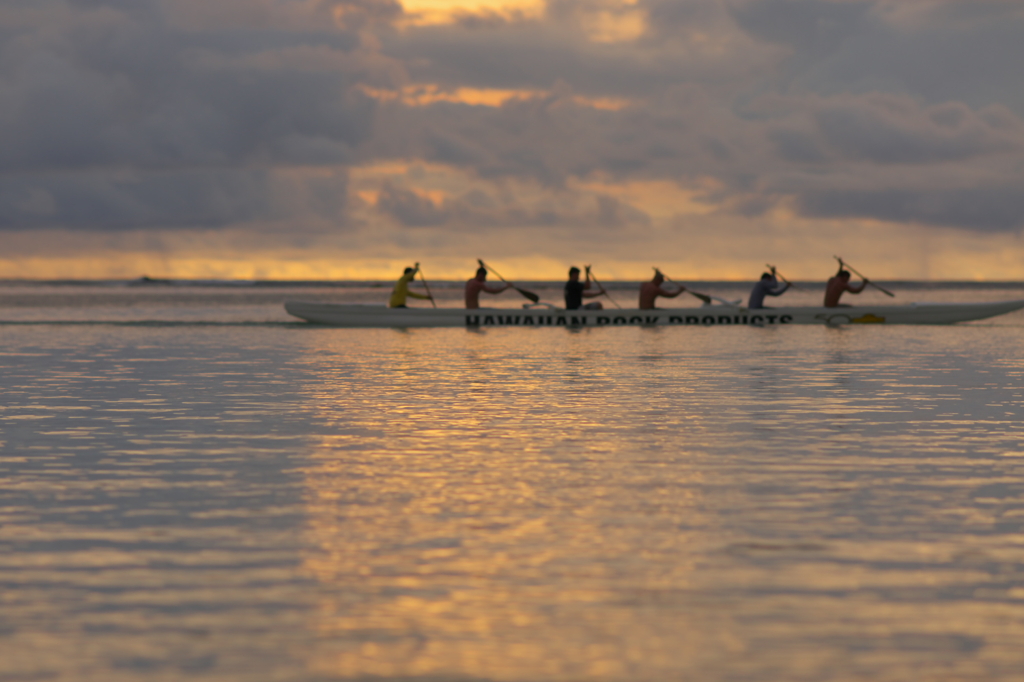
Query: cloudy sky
(347, 138)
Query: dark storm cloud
(809, 27)
(994, 208)
(936, 50)
(101, 87)
(797, 145)
(118, 113)
(886, 129)
(550, 139)
(179, 198)
(751, 93)
(200, 116)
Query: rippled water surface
(196, 487)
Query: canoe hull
(359, 315)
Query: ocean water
(193, 486)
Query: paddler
(576, 291)
(837, 285)
(768, 286)
(401, 290)
(478, 284)
(652, 290)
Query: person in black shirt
(576, 291)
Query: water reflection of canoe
(362, 315)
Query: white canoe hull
(361, 315)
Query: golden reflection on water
(511, 506)
(484, 531)
(287, 502)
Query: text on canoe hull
(613, 320)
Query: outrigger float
(365, 315)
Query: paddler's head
(408, 270)
(481, 274)
(844, 274)
(574, 273)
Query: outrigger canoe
(364, 315)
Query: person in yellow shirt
(401, 289)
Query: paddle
(707, 298)
(426, 286)
(591, 275)
(843, 264)
(528, 294)
(703, 297)
(774, 271)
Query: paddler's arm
(496, 290)
(671, 294)
(415, 295)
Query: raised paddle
(426, 286)
(591, 275)
(528, 294)
(843, 264)
(774, 271)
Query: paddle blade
(703, 297)
(528, 294)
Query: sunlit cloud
(427, 12)
(423, 95)
(175, 137)
(613, 22)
